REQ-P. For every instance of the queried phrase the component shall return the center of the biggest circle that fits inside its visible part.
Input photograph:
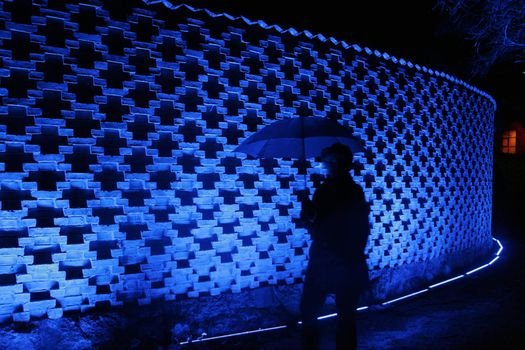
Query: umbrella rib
(298, 137)
(261, 152)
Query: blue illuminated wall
(119, 182)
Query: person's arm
(308, 212)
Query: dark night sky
(400, 30)
(406, 29)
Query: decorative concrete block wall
(119, 183)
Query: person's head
(337, 159)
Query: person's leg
(312, 300)
(346, 304)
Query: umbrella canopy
(300, 138)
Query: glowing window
(509, 142)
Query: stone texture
(119, 183)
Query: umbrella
(300, 138)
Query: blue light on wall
(119, 183)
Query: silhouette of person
(337, 219)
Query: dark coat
(337, 219)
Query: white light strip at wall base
(446, 281)
(361, 308)
(233, 335)
(405, 296)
